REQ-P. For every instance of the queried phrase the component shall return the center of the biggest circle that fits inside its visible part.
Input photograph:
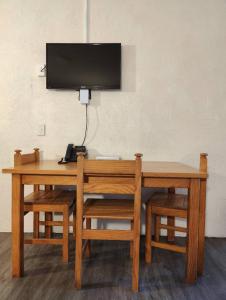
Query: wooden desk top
(170, 169)
(149, 169)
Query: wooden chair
(170, 205)
(108, 177)
(48, 201)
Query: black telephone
(71, 153)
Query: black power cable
(84, 139)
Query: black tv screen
(83, 66)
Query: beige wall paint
(172, 103)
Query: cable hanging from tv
(86, 127)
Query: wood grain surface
(149, 169)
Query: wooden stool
(169, 205)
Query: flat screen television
(83, 66)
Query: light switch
(41, 130)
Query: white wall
(172, 103)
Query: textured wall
(172, 103)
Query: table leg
(78, 235)
(17, 226)
(192, 240)
(202, 211)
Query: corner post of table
(192, 240)
(17, 226)
(202, 212)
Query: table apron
(49, 179)
(155, 182)
(161, 182)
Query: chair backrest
(22, 159)
(109, 177)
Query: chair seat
(115, 209)
(50, 197)
(169, 201)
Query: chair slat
(107, 234)
(42, 241)
(101, 188)
(28, 158)
(175, 228)
(109, 167)
(170, 247)
(110, 179)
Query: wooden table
(155, 174)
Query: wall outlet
(41, 130)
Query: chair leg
(74, 223)
(148, 254)
(157, 227)
(88, 245)
(78, 264)
(136, 260)
(65, 233)
(36, 225)
(170, 232)
(78, 251)
(131, 242)
(48, 229)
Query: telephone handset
(71, 153)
